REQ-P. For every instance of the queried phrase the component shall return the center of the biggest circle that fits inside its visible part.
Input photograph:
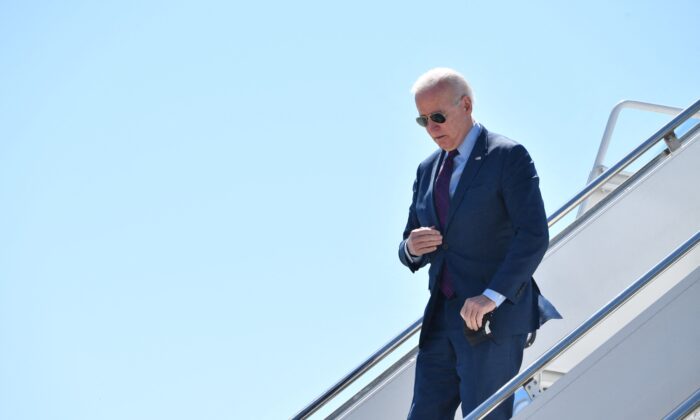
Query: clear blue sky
(201, 202)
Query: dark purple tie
(442, 206)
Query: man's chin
(444, 143)
(439, 140)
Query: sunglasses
(437, 117)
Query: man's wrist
(411, 257)
(496, 297)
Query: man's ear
(467, 104)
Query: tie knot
(452, 154)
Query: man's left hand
(474, 309)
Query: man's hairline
(443, 76)
(444, 84)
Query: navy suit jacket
(495, 236)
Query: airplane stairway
(619, 235)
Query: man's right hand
(423, 241)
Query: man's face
(457, 111)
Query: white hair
(440, 75)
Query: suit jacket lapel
(472, 166)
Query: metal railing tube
(377, 357)
(619, 166)
(612, 122)
(511, 386)
(605, 142)
(685, 408)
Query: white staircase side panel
(643, 372)
(389, 400)
(616, 246)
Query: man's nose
(433, 126)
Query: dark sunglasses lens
(438, 118)
(422, 121)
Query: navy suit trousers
(449, 370)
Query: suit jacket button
(445, 247)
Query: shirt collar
(467, 145)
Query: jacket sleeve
(411, 224)
(525, 208)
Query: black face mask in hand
(480, 335)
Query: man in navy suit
(477, 218)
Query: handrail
(377, 357)
(612, 121)
(665, 131)
(685, 408)
(405, 335)
(511, 386)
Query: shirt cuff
(494, 296)
(410, 257)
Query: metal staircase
(622, 234)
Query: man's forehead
(436, 96)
